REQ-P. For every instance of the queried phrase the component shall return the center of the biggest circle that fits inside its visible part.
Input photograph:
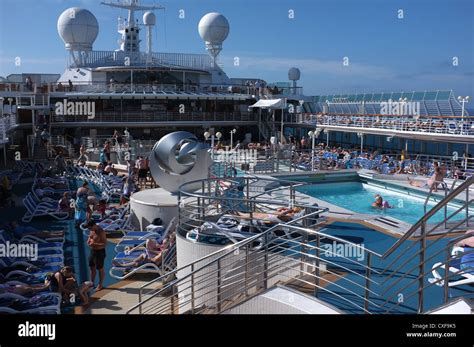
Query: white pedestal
(153, 203)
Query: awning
(270, 103)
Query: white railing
(120, 58)
(454, 125)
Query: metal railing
(158, 116)
(225, 278)
(243, 271)
(453, 125)
(117, 58)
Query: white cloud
(312, 66)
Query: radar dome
(294, 74)
(213, 28)
(149, 18)
(78, 29)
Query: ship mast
(130, 31)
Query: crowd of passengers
(49, 274)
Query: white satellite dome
(149, 18)
(294, 74)
(213, 28)
(78, 29)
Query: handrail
(238, 244)
(431, 213)
(305, 253)
(248, 241)
(445, 188)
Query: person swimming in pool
(380, 202)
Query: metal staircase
(296, 254)
(265, 129)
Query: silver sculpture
(179, 158)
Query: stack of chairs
(109, 185)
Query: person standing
(29, 83)
(82, 154)
(97, 242)
(80, 207)
(45, 137)
(60, 164)
(142, 171)
(107, 150)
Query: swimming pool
(358, 197)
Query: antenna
(213, 29)
(129, 29)
(132, 6)
(149, 19)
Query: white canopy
(270, 103)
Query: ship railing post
(367, 283)
(219, 285)
(421, 274)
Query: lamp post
(312, 134)
(218, 136)
(273, 141)
(301, 102)
(361, 136)
(206, 136)
(463, 100)
(402, 102)
(232, 132)
(285, 106)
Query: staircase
(265, 128)
(40, 153)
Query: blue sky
(385, 53)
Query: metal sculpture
(179, 158)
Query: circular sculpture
(179, 158)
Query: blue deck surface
(76, 251)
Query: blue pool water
(386, 286)
(358, 197)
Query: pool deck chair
(167, 265)
(42, 209)
(139, 241)
(462, 276)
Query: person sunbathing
(284, 214)
(52, 184)
(23, 289)
(19, 231)
(152, 254)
